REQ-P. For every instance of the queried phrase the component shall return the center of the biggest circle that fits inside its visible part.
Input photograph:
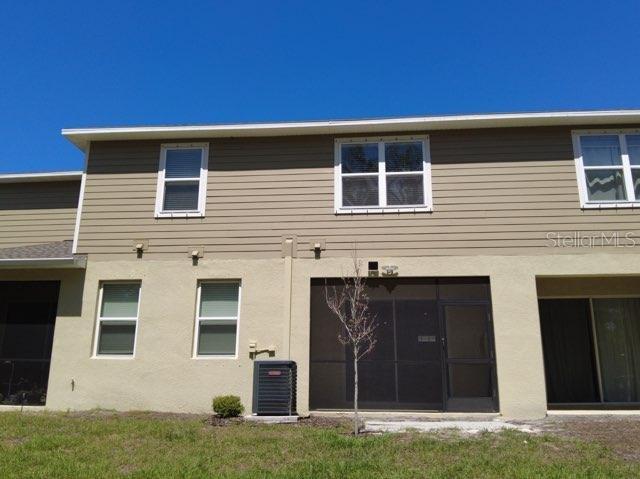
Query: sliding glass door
(617, 324)
(569, 356)
(591, 350)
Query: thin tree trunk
(356, 422)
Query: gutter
(76, 262)
(82, 136)
(40, 177)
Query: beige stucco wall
(163, 376)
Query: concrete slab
(272, 419)
(594, 412)
(410, 416)
(467, 427)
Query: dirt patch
(211, 419)
(619, 433)
(10, 442)
(162, 416)
(221, 421)
(326, 422)
(312, 421)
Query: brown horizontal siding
(39, 212)
(495, 192)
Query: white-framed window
(217, 318)
(386, 174)
(608, 167)
(117, 321)
(182, 180)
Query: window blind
(120, 300)
(219, 300)
(183, 163)
(181, 197)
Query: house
(503, 251)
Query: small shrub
(227, 406)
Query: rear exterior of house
(502, 252)
(40, 279)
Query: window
(382, 174)
(217, 319)
(608, 168)
(182, 180)
(117, 319)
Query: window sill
(113, 356)
(180, 214)
(214, 357)
(609, 206)
(360, 211)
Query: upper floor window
(608, 168)
(182, 180)
(382, 174)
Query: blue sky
(72, 64)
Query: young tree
(350, 304)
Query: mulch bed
(312, 421)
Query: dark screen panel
(27, 320)
(467, 331)
(420, 383)
(417, 330)
(376, 382)
(406, 370)
(470, 380)
(28, 330)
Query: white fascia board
(81, 136)
(77, 262)
(40, 177)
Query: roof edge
(40, 177)
(82, 136)
(75, 262)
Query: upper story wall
(37, 212)
(495, 191)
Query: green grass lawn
(146, 446)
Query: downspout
(289, 250)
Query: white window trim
(382, 174)
(196, 337)
(626, 168)
(99, 320)
(202, 179)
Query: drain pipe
(288, 251)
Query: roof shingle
(58, 249)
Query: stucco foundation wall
(275, 310)
(164, 376)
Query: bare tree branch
(350, 305)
